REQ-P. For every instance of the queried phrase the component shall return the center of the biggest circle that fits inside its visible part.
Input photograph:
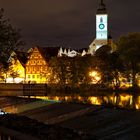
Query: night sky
(70, 23)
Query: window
(29, 76)
(38, 76)
(33, 76)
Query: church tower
(101, 28)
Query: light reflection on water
(124, 100)
(127, 101)
(19, 108)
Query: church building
(101, 29)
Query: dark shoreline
(40, 130)
(58, 90)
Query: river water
(120, 100)
(24, 103)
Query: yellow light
(95, 76)
(95, 100)
(137, 106)
(93, 73)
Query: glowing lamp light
(93, 73)
(95, 76)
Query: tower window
(101, 19)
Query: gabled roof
(46, 52)
(21, 56)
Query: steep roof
(102, 8)
(46, 52)
(21, 56)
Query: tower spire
(102, 2)
(101, 28)
(102, 8)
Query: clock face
(101, 26)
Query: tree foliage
(110, 66)
(72, 71)
(10, 38)
(129, 49)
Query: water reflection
(19, 108)
(127, 101)
(123, 100)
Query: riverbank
(41, 131)
(100, 122)
(57, 90)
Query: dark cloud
(69, 22)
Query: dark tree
(10, 38)
(110, 65)
(129, 49)
(116, 67)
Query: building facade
(16, 71)
(101, 29)
(36, 67)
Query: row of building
(31, 66)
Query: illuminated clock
(101, 26)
